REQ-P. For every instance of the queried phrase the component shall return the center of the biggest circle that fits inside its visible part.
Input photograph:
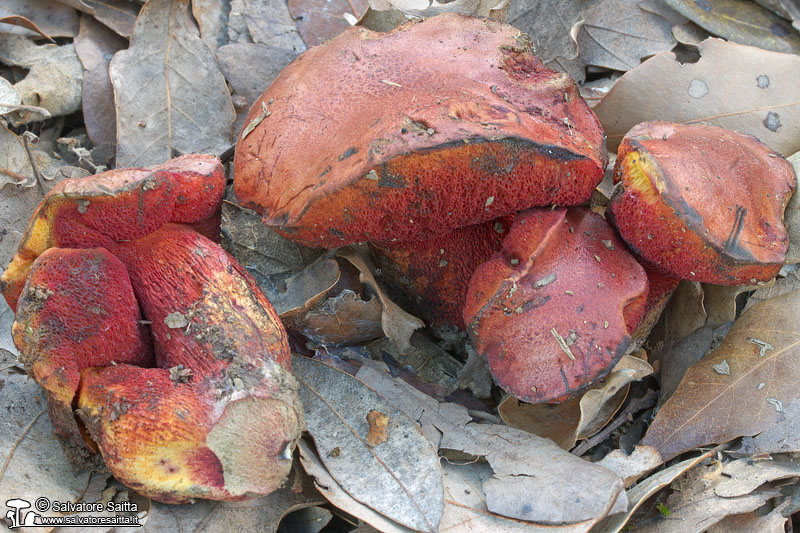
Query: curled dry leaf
(171, 97)
(755, 97)
(772, 522)
(396, 323)
(119, 15)
(345, 319)
(747, 474)
(580, 417)
(643, 490)
(22, 22)
(212, 19)
(694, 505)
(632, 467)
(399, 477)
(719, 301)
(742, 22)
(53, 81)
(763, 353)
(305, 289)
(50, 18)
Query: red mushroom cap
(410, 134)
(552, 312)
(702, 203)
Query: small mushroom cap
(76, 310)
(120, 204)
(552, 312)
(702, 203)
(430, 278)
(410, 134)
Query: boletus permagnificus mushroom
(554, 309)
(218, 415)
(702, 203)
(413, 133)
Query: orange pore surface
(702, 203)
(409, 134)
(555, 276)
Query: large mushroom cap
(702, 203)
(553, 311)
(413, 133)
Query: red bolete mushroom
(702, 203)
(219, 415)
(77, 310)
(554, 309)
(413, 133)
(430, 278)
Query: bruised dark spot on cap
(350, 151)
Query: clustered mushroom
(462, 159)
(197, 400)
(455, 159)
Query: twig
(17, 176)
(16, 444)
(27, 138)
(635, 405)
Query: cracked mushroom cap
(553, 310)
(121, 204)
(76, 310)
(410, 134)
(702, 203)
(430, 278)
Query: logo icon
(14, 514)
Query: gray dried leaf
(549, 24)
(335, 494)
(212, 19)
(642, 491)
(741, 22)
(95, 46)
(532, 476)
(632, 467)
(731, 98)
(53, 18)
(119, 15)
(171, 97)
(781, 437)
(792, 216)
(399, 478)
(53, 81)
(269, 22)
(34, 458)
(396, 323)
(250, 69)
(747, 474)
(617, 34)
